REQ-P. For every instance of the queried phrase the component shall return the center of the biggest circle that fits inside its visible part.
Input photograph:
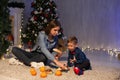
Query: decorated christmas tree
(43, 12)
(5, 27)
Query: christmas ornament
(24, 35)
(10, 37)
(30, 45)
(32, 13)
(35, 12)
(32, 19)
(32, 4)
(46, 15)
(77, 71)
(35, 18)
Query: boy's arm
(69, 64)
(80, 57)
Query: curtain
(96, 23)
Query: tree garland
(16, 5)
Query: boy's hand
(74, 60)
(71, 60)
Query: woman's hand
(66, 68)
(61, 65)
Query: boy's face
(71, 46)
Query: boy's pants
(85, 65)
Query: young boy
(76, 57)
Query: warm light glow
(20, 30)
(115, 50)
(88, 46)
(20, 46)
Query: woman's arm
(43, 46)
(62, 66)
(59, 53)
(36, 45)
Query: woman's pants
(28, 57)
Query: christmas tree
(43, 12)
(5, 26)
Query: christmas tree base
(6, 56)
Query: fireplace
(16, 18)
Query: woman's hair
(72, 39)
(51, 24)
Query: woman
(43, 49)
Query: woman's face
(54, 31)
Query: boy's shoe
(90, 68)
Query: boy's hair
(72, 39)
